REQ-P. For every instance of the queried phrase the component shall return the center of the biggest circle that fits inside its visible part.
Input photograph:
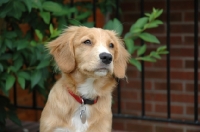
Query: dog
(90, 60)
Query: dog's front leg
(102, 125)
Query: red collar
(82, 100)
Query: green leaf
(129, 35)
(28, 4)
(147, 58)
(18, 63)
(117, 26)
(39, 34)
(8, 43)
(45, 16)
(9, 82)
(83, 16)
(136, 63)
(114, 25)
(13, 117)
(3, 1)
(33, 43)
(21, 82)
(161, 48)
(147, 14)
(149, 38)
(51, 29)
(24, 75)
(141, 50)
(52, 6)
(74, 22)
(10, 34)
(153, 24)
(43, 63)
(1, 67)
(136, 30)
(16, 55)
(21, 44)
(163, 52)
(130, 45)
(6, 56)
(139, 23)
(35, 77)
(155, 55)
(88, 24)
(158, 13)
(36, 4)
(17, 9)
(109, 25)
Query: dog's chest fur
(86, 90)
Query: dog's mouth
(101, 71)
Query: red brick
(130, 18)
(176, 40)
(189, 40)
(132, 72)
(159, 30)
(182, 5)
(131, 84)
(190, 64)
(176, 86)
(182, 52)
(182, 75)
(139, 127)
(160, 86)
(183, 98)
(160, 63)
(158, 4)
(168, 129)
(129, 95)
(134, 106)
(162, 108)
(158, 97)
(175, 63)
(155, 74)
(190, 110)
(177, 109)
(190, 87)
(189, 16)
(129, 6)
(173, 86)
(182, 28)
(118, 124)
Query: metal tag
(83, 116)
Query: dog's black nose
(105, 58)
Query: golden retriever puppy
(89, 59)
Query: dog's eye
(87, 42)
(111, 45)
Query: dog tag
(83, 116)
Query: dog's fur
(83, 73)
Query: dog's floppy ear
(121, 59)
(63, 51)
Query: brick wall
(182, 75)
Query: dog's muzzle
(106, 58)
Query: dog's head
(92, 51)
